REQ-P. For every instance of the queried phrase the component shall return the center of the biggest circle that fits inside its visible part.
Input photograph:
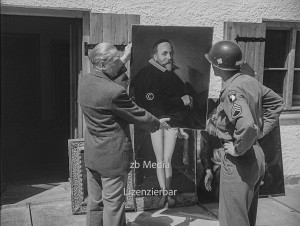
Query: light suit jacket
(108, 111)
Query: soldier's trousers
(239, 187)
(106, 200)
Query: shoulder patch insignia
(232, 96)
(236, 110)
(149, 96)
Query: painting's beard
(168, 66)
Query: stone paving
(51, 206)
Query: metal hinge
(249, 39)
(88, 46)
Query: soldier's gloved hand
(208, 179)
(230, 149)
(164, 124)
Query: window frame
(293, 27)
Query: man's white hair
(101, 54)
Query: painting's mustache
(169, 62)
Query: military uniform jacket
(108, 111)
(247, 111)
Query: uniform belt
(226, 141)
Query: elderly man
(161, 92)
(108, 111)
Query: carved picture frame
(78, 179)
(77, 172)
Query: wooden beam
(279, 24)
(37, 11)
(85, 69)
(288, 86)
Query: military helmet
(225, 55)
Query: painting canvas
(170, 79)
(273, 182)
(189, 72)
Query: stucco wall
(211, 13)
(290, 143)
(183, 13)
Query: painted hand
(187, 100)
(208, 179)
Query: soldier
(247, 111)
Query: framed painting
(170, 79)
(78, 179)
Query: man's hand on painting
(127, 53)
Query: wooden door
(250, 37)
(20, 103)
(75, 73)
(113, 28)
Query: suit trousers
(106, 200)
(239, 187)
